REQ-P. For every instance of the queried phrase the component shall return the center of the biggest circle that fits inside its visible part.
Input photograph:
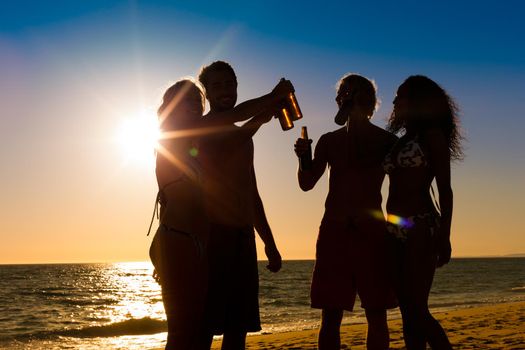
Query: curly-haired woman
(427, 116)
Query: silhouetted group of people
(204, 249)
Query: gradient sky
(71, 73)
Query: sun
(138, 137)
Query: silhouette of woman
(179, 246)
(428, 118)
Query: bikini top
(410, 155)
(190, 170)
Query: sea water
(119, 306)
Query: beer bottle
(288, 111)
(305, 161)
(344, 111)
(294, 107)
(284, 116)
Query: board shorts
(233, 294)
(352, 259)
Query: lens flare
(393, 219)
(399, 221)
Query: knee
(415, 316)
(421, 314)
(331, 318)
(376, 318)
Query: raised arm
(308, 178)
(439, 158)
(248, 109)
(249, 128)
(236, 137)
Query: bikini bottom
(401, 227)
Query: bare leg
(204, 342)
(436, 336)
(412, 333)
(234, 341)
(184, 306)
(377, 337)
(329, 336)
(417, 274)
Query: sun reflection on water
(137, 292)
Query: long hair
(428, 106)
(173, 95)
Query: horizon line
(519, 255)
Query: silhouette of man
(234, 208)
(351, 248)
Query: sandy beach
(500, 326)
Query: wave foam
(140, 326)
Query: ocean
(119, 306)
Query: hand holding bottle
(303, 150)
(283, 88)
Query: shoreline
(494, 326)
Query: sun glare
(138, 137)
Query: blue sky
(477, 32)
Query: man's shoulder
(335, 134)
(330, 139)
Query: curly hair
(214, 67)
(428, 106)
